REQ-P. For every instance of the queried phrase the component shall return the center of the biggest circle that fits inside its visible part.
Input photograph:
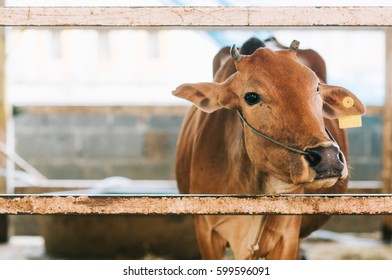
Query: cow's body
(218, 154)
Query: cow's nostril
(312, 157)
(341, 158)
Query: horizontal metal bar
(196, 16)
(171, 110)
(290, 204)
(145, 185)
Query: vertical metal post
(3, 124)
(387, 131)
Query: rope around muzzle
(271, 139)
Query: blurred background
(139, 68)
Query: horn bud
(235, 54)
(294, 45)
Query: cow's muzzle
(327, 162)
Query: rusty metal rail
(196, 16)
(176, 204)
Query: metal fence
(211, 17)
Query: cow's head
(283, 99)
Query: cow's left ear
(209, 97)
(340, 102)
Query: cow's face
(283, 99)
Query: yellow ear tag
(348, 102)
(350, 121)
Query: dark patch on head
(204, 103)
(328, 110)
(251, 45)
(330, 100)
(199, 94)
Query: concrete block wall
(96, 146)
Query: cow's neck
(244, 175)
(273, 185)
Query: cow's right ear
(339, 102)
(203, 95)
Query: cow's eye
(318, 88)
(252, 98)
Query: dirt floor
(23, 248)
(321, 245)
(327, 245)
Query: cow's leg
(242, 233)
(280, 238)
(212, 246)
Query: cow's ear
(340, 102)
(203, 95)
(209, 97)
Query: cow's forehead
(276, 64)
(269, 56)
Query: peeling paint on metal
(198, 205)
(196, 16)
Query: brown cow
(259, 129)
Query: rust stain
(197, 16)
(198, 205)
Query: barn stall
(54, 211)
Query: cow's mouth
(334, 173)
